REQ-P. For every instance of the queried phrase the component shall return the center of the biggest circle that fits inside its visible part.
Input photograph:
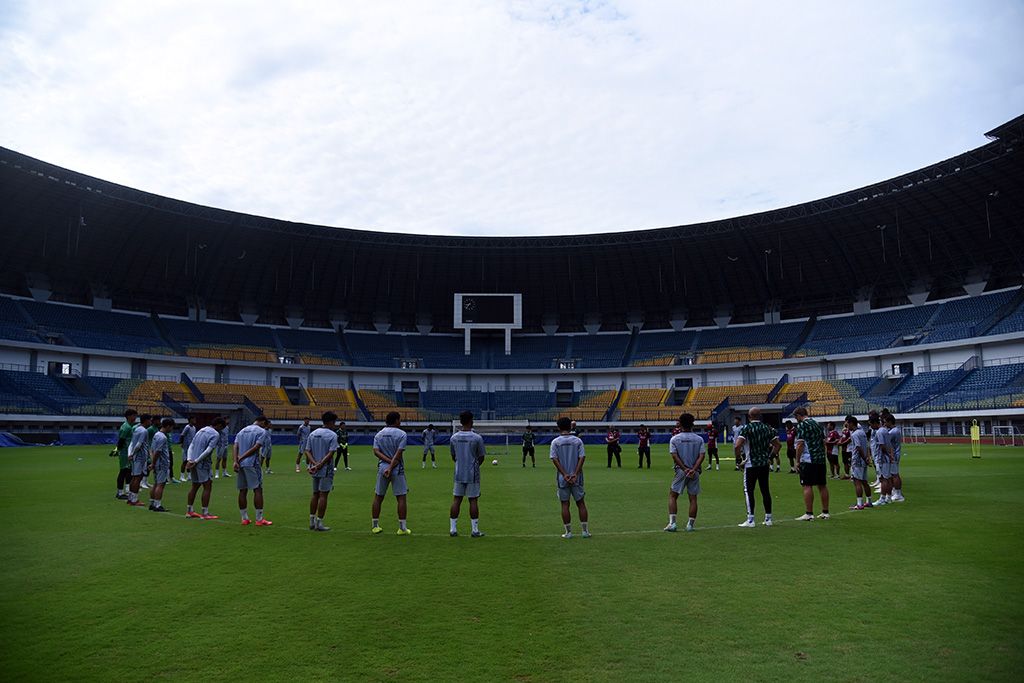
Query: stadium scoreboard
(489, 312)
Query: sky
(514, 117)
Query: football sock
(312, 519)
(206, 510)
(190, 509)
(824, 511)
(245, 514)
(158, 503)
(568, 528)
(476, 524)
(259, 514)
(316, 522)
(768, 517)
(584, 526)
(690, 522)
(453, 523)
(671, 519)
(401, 524)
(750, 518)
(375, 523)
(860, 500)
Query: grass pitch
(91, 589)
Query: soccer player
(188, 432)
(576, 431)
(389, 446)
(614, 449)
(468, 452)
(896, 449)
(832, 450)
(737, 427)
(200, 468)
(246, 463)
(791, 445)
(810, 452)
(268, 448)
(221, 465)
(568, 456)
(321, 446)
(124, 468)
(882, 454)
(138, 455)
(528, 439)
(429, 435)
(643, 449)
(160, 454)
(687, 451)
(754, 446)
(302, 433)
(150, 431)
(859, 456)
(342, 453)
(712, 445)
(844, 450)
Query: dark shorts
(712, 448)
(846, 458)
(791, 453)
(833, 458)
(811, 474)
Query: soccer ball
(494, 462)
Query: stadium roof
(943, 226)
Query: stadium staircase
(801, 337)
(777, 389)
(1001, 313)
(187, 381)
(346, 353)
(793, 405)
(613, 409)
(913, 401)
(627, 357)
(165, 335)
(718, 411)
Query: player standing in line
(712, 445)
(302, 433)
(737, 427)
(643, 449)
(268, 448)
(245, 462)
(844, 450)
(200, 468)
(528, 439)
(882, 454)
(124, 468)
(160, 454)
(429, 434)
(832, 450)
(221, 465)
(342, 453)
(389, 446)
(810, 451)
(188, 433)
(791, 446)
(754, 446)
(896, 447)
(859, 463)
(321, 446)
(614, 449)
(687, 451)
(150, 431)
(138, 455)
(468, 453)
(568, 456)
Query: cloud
(504, 118)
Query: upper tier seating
(531, 352)
(871, 331)
(223, 341)
(599, 350)
(375, 350)
(314, 348)
(662, 348)
(443, 351)
(90, 328)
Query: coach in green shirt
(755, 446)
(810, 453)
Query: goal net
(915, 435)
(498, 440)
(1005, 435)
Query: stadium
(300, 280)
(249, 315)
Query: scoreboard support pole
(468, 345)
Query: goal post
(915, 434)
(1003, 435)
